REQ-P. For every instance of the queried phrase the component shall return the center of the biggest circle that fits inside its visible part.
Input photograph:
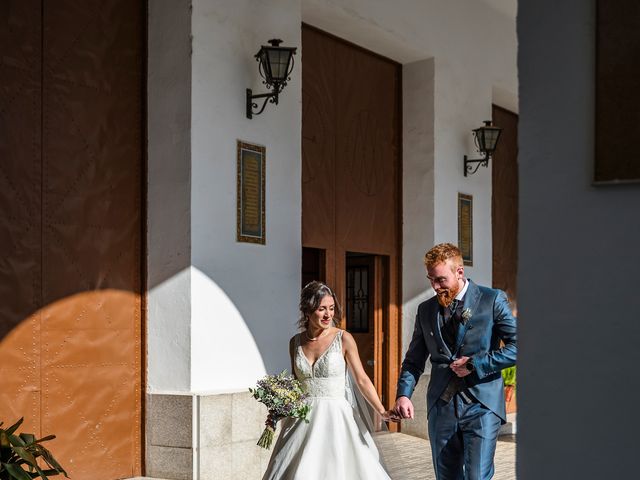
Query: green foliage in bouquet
(19, 455)
(283, 396)
(509, 376)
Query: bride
(335, 444)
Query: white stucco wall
(577, 291)
(245, 298)
(418, 185)
(168, 318)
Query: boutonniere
(466, 315)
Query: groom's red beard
(446, 295)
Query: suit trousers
(463, 439)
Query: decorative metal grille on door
(358, 298)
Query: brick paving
(409, 458)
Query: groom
(460, 330)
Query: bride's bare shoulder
(348, 342)
(346, 335)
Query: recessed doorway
(313, 265)
(367, 311)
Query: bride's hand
(390, 416)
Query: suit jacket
(479, 337)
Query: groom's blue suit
(463, 429)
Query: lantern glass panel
(278, 60)
(487, 138)
(491, 138)
(480, 139)
(264, 62)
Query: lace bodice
(326, 378)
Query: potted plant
(509, 378)
(19, 454)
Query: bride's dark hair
(310, 298)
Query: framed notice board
(251, 193)
(465, 227)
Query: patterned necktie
(450, 330)
(453, 307)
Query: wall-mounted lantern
(275, 66)
(486, 140)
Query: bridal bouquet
(284, 397)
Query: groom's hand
(390, 416)
(404, 407)
(459, 367)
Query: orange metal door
(71, 173)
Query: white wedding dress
(335, 444)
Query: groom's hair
(441, 253)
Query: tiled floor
(409, 458)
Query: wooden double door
(71, 223)
(351, 192)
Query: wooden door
(351, 182)
(505, 203)
(71, 195)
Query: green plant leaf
(15, 426)
(45, 439)
(16, 441)
(48, 457)
(26, 455)
(40, 474)
(509, 376)
(19, 454)
(16, 472)
(4, 440)
(51, 472)
(28, 438)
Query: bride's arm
(360, 376)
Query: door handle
(371, 363)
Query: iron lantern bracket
(468, 164)
(251, 105)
